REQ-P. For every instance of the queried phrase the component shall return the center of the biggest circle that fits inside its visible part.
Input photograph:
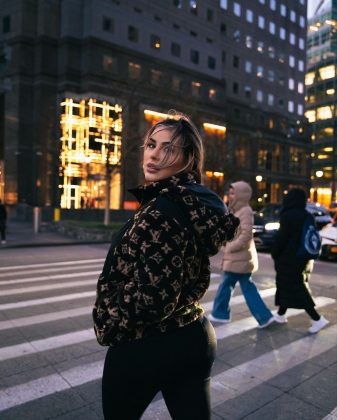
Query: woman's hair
(185, 136)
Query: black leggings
(310, 310)
(177, 363)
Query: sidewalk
(21, 234)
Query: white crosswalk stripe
(242, 378)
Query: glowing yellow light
(330, 91)
(259, 200)
(209, 173)
(218, 174)
(322, 156)
(328, 149)
(214, 127)
(327, 72)
(156, 114)
(313, 28)
(319, 174)
(309, 78)
(258, 178)
(311, 115)
(324, 113)
(157, 45)
(312, 154)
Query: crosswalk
(48, 350)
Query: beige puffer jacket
(240, 255)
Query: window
(109, 64)
(224, 4)
(223, 29)
(300, 109)
(195, 56)
(248, 92)
(271, 52)
(300, 87)
(236, 87)
(327, 72)
(301, 43)
(237, 9)
(176, 83)
(177, 4)
(291, 106)
(291, 84)
(210, 15)
(6, 24)
(271, 75)
(236, 35)
(261, 22)
(281, 103)
(192, 33)
(259, 71)
(223, 57)
(193, 7)
(281, 58)
(132, 34)
(156, 77)
(134, 70)
(196, 88)
(249, 41)
(155, 42)
(249, 15)
(260, 47)
(300, 65)
(302, 21)
(283, 10)
(292, 15)
(272, 4)
(259, 95)
(281, 79)
(236, 61)
(211, 62)
(212, 94)
(248, 66)
(262, 1)
(292, 38)
(283, 33)
(175, 49)
(270, 99)
(107, 24)
(291, 61)
(272, 28)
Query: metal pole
(107, 190)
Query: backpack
(310, 245)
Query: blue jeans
(257, 307)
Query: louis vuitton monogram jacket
(158, 267)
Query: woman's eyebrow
(164, 143)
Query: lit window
(261, 22)
(249, 15)
(236, 35)
(302, 21)
(300, 87)
(324, 113)
(291, 61)
(300, 109)
(248, 92)
(301, 43)
(248, 66)
(272, 28)
(109, 63)
(272, 4)
(310, 115)
(259, 72)
(291, 84)
(134, 70)
(237, 9)
(262, 1)
(271, 75)
(224, 4)
(292, 38)
(270, 99)
(283, 33)
(271, 52)
(260, 46)
(291, 106)
(292, 15)
(212, 94)
(196, 88)
(283, 10)
(300, 65)
(327, 72)
(156, 77)
(259, 96)
(155, 42)
(177, 4)
(249, 41)
(193, 7)
(309, 78)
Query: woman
(292, 271)
(239, 262)
(147, 308)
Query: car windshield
(317, 210)
(271, 211)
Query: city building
(82, 80)
(321, 98)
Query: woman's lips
(151, 169)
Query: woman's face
(231, 196)
(156, 148)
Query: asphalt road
(51, 364)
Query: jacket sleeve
(281, 238)
(241, 241)
(156, 248)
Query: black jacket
(158, 268)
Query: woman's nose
(155, 153)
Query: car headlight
(272, 226)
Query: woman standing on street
(292, 271)
(147, 308)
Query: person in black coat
(293, 272)
(3, 218)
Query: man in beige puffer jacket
(239, 262)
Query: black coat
(292, 272)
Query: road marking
(241, 378)
(50, 343)
(332, 415)
(43, 301)
(76, 262)
(53, 277)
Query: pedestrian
(239, 262)
(3, 219)
(292, 271)
(147, 307)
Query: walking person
(239, 262)
(293, 272)
(147, 307)
(3, 219)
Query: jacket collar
(145, 193)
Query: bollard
(36, 219)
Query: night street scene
(153, 155)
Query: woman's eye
(150, 146)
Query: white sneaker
(281, 319)
(214, 319)
(318, 325)
(270, 321)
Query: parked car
(267, 222)
(329, 241)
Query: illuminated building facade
(81, 81)
(321, 95)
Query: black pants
(177, 363)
